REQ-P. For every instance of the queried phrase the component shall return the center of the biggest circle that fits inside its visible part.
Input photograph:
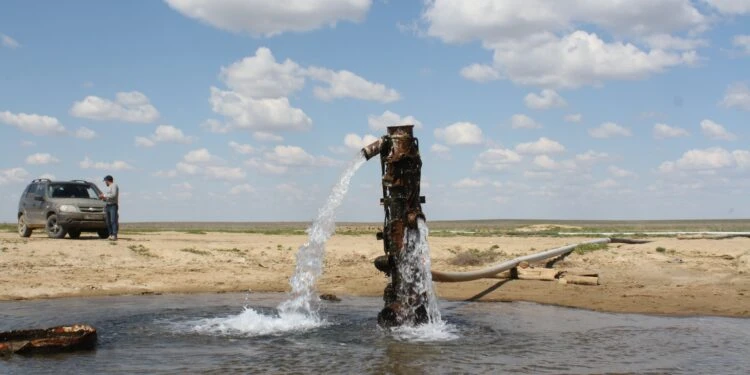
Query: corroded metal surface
(401, 167)
(51, 340)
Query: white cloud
(9, 42)
(200, 155)
(33, 123)
(545, 162)
(345, 84)
(497, 20)
(606, 184)
(496, 159)
(664, 131)
(730, 6)
(592, 156)
(41, 159)
(716, 131)
(460, 133)
(116, 165)
(742, 158)
(737, 96)
(224, 173)
(670, 42)
(85, 133)
(439, 149)
(574, 117)
(261, 77)
(258, 114)
(742, 42)
(170, 134)
(609, 130)
(144, 142)
(264, 18)
(697, 159)
(388, 118)
(242, 189)
(130, 106)
(187, 168)
(547, 99)
(48, 176)
(290, 156)
(13, 175)
(266, 167)
(620, 172)
(536, 42)
(480, 73)
(543, 145)
(355, 142)
(520, 121)
(468, 183)
(267, 137)
(243, 149)
(216, 126)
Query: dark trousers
(111, 212)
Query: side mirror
(39, 198)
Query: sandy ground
(691, 277)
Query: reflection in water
(151, 334)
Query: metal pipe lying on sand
(452, 277)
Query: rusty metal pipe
(372, 149)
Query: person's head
(108, 180)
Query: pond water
(214, 333)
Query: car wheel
(74, 233)
(54, 229)
(23, 229)
(103, 233)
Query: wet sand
(685, 277)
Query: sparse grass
(195, 231)
(195, 251)
(279, 247)
(474, 257)
(661, 250)
(232, 250)
(8, 228)
(113, 243)
(141, 250)
(587, 248)
(4, 248)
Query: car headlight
(68, 208)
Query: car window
(39, 190)
(31, 191)
(72, 191)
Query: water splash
(310, 256)
(414, 268)
(300, 311)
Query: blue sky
(230, 110)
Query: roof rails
(80, 181)
(40, 180)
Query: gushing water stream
(300, 310)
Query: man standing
(111, 197)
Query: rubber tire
(103, 233)
(54, 230)
(23, 229)
(74, 233)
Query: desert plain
(671, 275)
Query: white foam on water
(430, 332)
(253, 323)
(300, 311)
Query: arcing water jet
(406, 299)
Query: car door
(37, 204)
(27, 203)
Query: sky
(249, 110)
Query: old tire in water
(54, 229)
(23, 229)
(103, 233)
(74, 233)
